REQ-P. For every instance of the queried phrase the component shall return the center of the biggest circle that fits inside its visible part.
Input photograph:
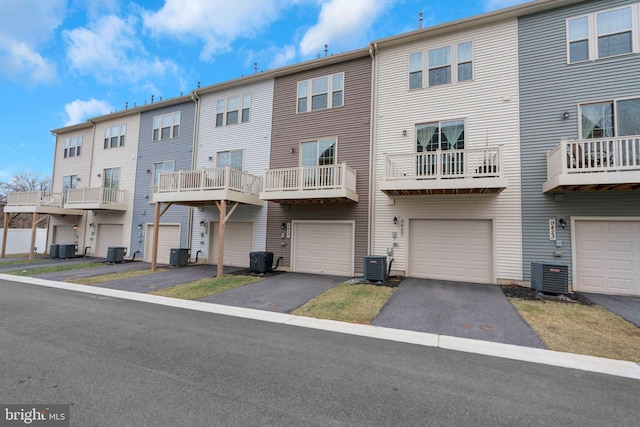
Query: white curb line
(619, 368)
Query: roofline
(474, 21)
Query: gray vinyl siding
(177, 149)
(549, 87)
(350, 124)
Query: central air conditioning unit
(260, 262)
(67, 251)
(550, 278)
(179, 257)
(375, 268)
(116, 254)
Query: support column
(34, 228)
(222, 207)
(6, 231)
(156, 228)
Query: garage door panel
(238, 243)
(451, 250)
(168, 238)
(63, 234)
(607, 255)
(108, 235)
(323, 248)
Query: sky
(65, 61)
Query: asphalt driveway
(625, 306)
(281, 293)
(466, 310)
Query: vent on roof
(375, 268)
(550, 278)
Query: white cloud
(490, 5)
(216, 22)
(340, 24)
(24, 26)
(79, 110)
(282, 56)
(110, 50)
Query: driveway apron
(281, 293)
(466, 310)
(625, 306)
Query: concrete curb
(619, 368)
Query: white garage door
(238, 243)
(108, 235)
(323, 248)
(63, 234)
(607, 257)
(168, 238)
(458, 250)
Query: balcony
(37, 201)
(310, 184)
(96, 198)
(466, 171)
(607, 164)
(200, 187)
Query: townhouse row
(465, 151)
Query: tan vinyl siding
(349, 124)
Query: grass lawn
(22, 261)
(94, 280)
(581, 329)
(204, 287)
(347, 303)
(55, 268)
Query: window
(114, 136)
(326, 92)
(439, 65)
(232, 158)
(166, 126)
(72, 146)
(610, 119)
(69, 182)
(111, 178)
(161, 167)
(237, 110)
(318, 153)
(443, 136)
(603, 34)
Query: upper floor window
(610, 119)
(160, 167)
(443, 65)
(236, 108)
(114, 136)
(603, 34)
(72, 146)
(232, 158)
(166, 126)
(321, 93)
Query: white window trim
(232, 151)
(329, 92)
(592, 38)
(77, 143)
(614, 101)
(225, 110)
(453, 64)
(121, 136)
(171, 128)
(316, 140)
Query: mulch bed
(529, 294)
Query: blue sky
(64, 61)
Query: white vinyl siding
(323, 248)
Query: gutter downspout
(373, 52)
(194, 156)
(86, 214)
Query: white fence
(19, 240)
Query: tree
(24, 181)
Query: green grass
(347, 303)
(23, 261)
(204, 287)
(56, 268)
(94, 280)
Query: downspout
(86, 214)
(194, 156)
(373, 52)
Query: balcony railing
(594, 164)
(35, 199)
(96, 198)
(310, 182)
(209, 179)
(445, 171)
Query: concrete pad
(625, 306)
(281, 293)
(465, 310)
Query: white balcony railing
(309, 178)
(35, 199)
(96, 196)
(445, 164)
(209, 179)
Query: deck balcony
(37, 201)
(96, 198)
(310, 184)
(205, 186)
(607, 164)
(464, 171)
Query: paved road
(122, 362)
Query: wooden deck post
(34, 228)
(6, 231)
(222, 207)
(154, 250)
